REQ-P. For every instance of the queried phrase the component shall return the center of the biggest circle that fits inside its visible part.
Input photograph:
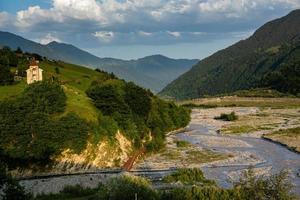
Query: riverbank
(243, 150)
(222, 157)
(290, 138)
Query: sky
(131, 29)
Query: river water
(272, 157)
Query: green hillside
(76, 80)
(74, 105)
(273, 48)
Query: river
(265, 157)
(270, 157)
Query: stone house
(34, 73)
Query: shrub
(10, 189)
(136, 111)
(138, 100)
(73, 132)
(44, 96)
(69, 192)
(189, 177)
(181, 143)
(274, 187)
(127, 188)
(108, 97)
(227, 117)
(196, 193)
(106, 126)
(6, 77)
(29, 134)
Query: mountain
(153, 72)
(244, 64)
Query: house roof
(33, 62)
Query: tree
(57, 71)
(275, 187)
(287, 79)
(44, 96)
(127, 188)
(6, 76)
(19, 50)
(138, 99)
(10, 189)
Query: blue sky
(135, 28)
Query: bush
(136, 111)
(73, 132)
(46, 97)
(227, 117)
(29, 134)
(127, 188)
(274, 187)
(138, 99)
(69, 192)
(6, 77)
(181, 143)
(250, 187)
(106, 126)
(189, 177)
(108, 97)
(197, 193)
(10, 189)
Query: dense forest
(36, 124)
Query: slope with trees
(247, 64)
(75, 107)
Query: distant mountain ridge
(244, 64)
(153, 72)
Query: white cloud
(4, 18)
(134, 12)
(105, 36)
(48, 38)
(125, 21)
(174, 34)
(144, 33)
(198, 33)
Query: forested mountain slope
(245, 64)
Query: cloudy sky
(136, 28)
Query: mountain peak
(52, 43)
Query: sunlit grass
(244, 102)
(79, 103)
(203, 156)
(289, 137)
(12, 90)
(182, 144)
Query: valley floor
(223, 150)
(227, 149)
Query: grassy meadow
(235, 101)
(75, 79)
(289, 137)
